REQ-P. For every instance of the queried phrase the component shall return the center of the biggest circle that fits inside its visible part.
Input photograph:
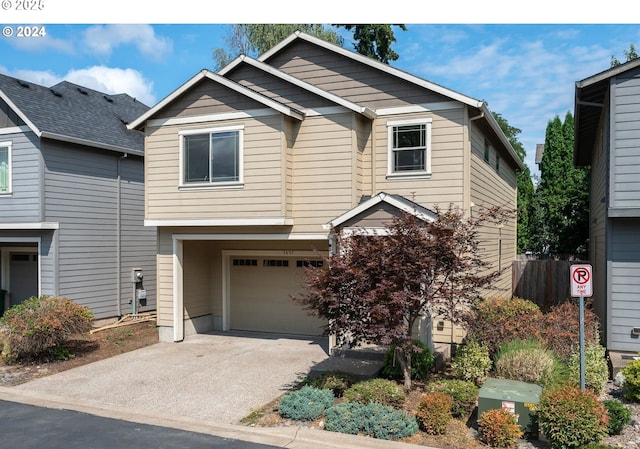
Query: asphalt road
(29, 427)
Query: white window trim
(182, 185)
(8, 145)
(409, 174)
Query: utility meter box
(519, 398)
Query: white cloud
(47, 43)
(102, 39)
(114, 81)
(111, 80)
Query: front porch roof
(397, 201)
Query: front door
(23, 276)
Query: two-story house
(250, 170)
(72, 198)
(607, 137)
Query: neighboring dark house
(607, 137)
(72, 198)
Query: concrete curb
(293, 437)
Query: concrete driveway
(221, 378)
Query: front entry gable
(377, 212)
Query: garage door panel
(261, 299)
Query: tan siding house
(252, 169)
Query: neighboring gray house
(72, 198)
(607, 137)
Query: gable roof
(480, 105)
(367, 112)
(397, 201)
(204, 73)
(590, 95)
(72, 113)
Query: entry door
(23, 276)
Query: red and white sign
(581, 280)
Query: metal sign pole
(582, 374)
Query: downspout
(119, 240)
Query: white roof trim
(380, 197)
(207, 236)
(367, 112)
(44, 225)
(277, 221)
(494, 124)
(373, 63)
(223, 81)
(20, 114)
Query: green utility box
(519, 398)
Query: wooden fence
(545, 282)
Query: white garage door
(261, 290)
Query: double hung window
(409, 147)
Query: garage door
(260, 300)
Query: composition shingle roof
(67, 111)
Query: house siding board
(349, 79)
(263, 175)
(320, 193)
(625, 157)
(24, 204)
(277, 89)
(624, 280)
(81, 194)
(208, 97)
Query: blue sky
(526, 71)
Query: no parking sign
(581, 280)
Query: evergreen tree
(562, 197)
(374, 40)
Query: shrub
(527, 361)
(335, 381)
(422, 361)
(561, 329)
(381, 391)
(471, 362)
(498, 320)
(499, 428)
(572, 418)
(40, 326)
(631, 372)
(305, 404)
(434, 412)
(376, 420)
(619, 415)
(464, 395)
(596, 368)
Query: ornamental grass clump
(39, 327)
(571, 418)
(499, 428)
(526, 361)
(306, 404)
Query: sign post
(581, 286)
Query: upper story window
(409, 148)
(5, 168)
(212, 156)
(487, 150)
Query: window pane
(406, 160)
(4, 169)
(410, 136)
(196, 158)
(225, 156)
